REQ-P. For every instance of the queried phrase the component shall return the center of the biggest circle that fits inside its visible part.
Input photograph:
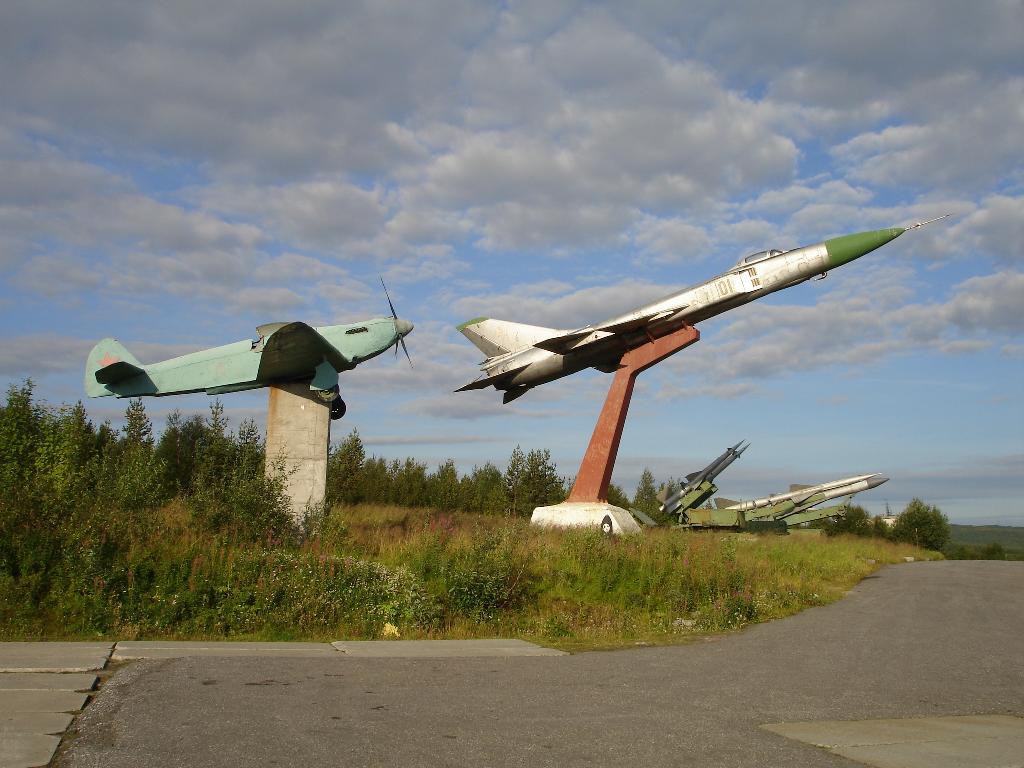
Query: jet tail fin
(499, 337)
(109, 363)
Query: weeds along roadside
(422, 573)
(115, 534)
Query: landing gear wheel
(606, 525)
(337, 408)
(328, 395)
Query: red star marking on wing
(108, 359)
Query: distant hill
(1010, 537)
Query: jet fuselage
(534, 361)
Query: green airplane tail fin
(108, 364)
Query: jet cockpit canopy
(753, 258)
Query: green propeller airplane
(282, 352)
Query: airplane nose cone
(842, 250)
(403, 327)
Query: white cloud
(325, 213)
(671, 240)
(995, 228)
(973, 146)
(800, 194)
(36, 355)
(39, 354)
(277, 89)
(990, 304)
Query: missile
(715, 468)
(708, 474)
(805, 496)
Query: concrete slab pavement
(32, 721)
(53, 657)
(439, 649)
(41, 685)
(47, 681)
(175, 649)
(53, 723)
(14, 702)
(28, 750)
(970, 741)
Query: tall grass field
(118, 534)
(382, 571)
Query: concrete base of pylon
(586, 514)
(298, 434)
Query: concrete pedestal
(298, 433)
(588, 514)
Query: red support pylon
(596, 469)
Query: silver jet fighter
(520, 357)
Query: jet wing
(294, 350)
(487, 381)
(567, 342)
(639, 322)
(564, 343)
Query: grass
(371, 570)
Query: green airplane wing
(291, 347)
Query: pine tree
(541, 483)
(20, 421)
(375, 482)
(344, 467)
(177, 450)
(485, 490)
(66, 459)
(514, 503)
(646, 497)
(138, 429)
(617, 497)
(131, 477)
(444, 487)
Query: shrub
(490, 576)
(922, 525)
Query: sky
(176, 173)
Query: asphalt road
(944, 638)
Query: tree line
(57, 468)
(530, 480)
(55, 465)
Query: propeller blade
(390, 305)
(394, 314)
